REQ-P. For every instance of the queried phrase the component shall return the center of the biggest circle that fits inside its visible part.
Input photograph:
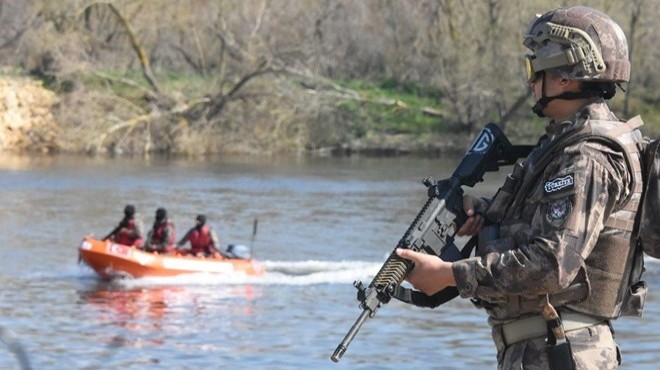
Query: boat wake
(318, 272)
(277, 273)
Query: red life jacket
(200, 240)
(124, 239)
(158, 234)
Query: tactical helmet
(129, 210)
(161, 214)
(578, 43)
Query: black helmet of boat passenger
(201, 221)
(161, 213)
(129, 211)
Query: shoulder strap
(628, 126)
(575, 136)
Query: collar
(596, 109)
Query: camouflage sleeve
(147, 242)
(139, 228)
(169, 235)
(215, 241)
(555, 229)
(165, 241)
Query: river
(322, 223)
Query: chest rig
(615, 265)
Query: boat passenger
(162, 236)
(130, 230)
(203, 239)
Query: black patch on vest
(559, 185)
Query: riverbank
(34, 119)
(381, 121)
(26, 116)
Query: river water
(322, 223)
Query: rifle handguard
(450, 253)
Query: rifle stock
(432, 230)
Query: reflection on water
(24, 162)
(137, 317)
(145, 309)
(135, 309)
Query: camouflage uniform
(593, 348)
(566, 214)
(545, 242)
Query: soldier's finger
(468, 205)
(407, 254)
(466, 227)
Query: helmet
(161, 214)
(579, 43)
(129, 210)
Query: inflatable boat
(110, 260)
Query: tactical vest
(129, 239)
(200, 240)
(158, 234)
(609, 286)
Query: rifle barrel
(341, 348)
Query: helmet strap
(542, 103)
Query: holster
(558, 348)
(560, 356)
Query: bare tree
(153, 75)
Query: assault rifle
(433, 229)
(123, 223)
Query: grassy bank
(276, 115)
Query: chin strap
(542, 103)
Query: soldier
(162, 237)
(565, 216)
(129, 230)
(203, 239)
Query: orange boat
(111, 260)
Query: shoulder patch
(559, 210)
(559, 184)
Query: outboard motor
(238, 251)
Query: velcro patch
(558, 211)
(559, 184)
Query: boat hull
(110, 260)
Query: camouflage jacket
(546, 237)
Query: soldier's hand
(430, 274)
(475, 220)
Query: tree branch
(220, 100)
(142, 56)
